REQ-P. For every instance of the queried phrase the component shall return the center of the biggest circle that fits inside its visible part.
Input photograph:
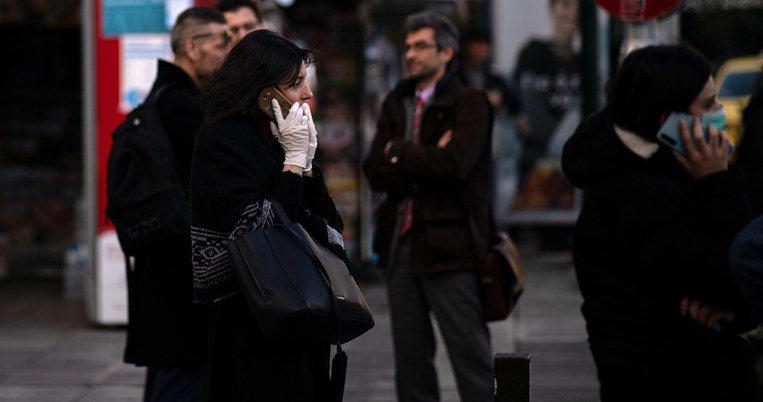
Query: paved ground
(49, 352)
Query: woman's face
(706, 100)
(297, 90)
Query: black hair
(652, 81)
(191, 18)
(477, 36)
(446, 34)
(261, 59)
(225, 6)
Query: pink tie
(408, 217)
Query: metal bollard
(512, 377)
(4, 247)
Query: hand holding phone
(292, 131)
(670, 132)
(265, 102)
(707, 158)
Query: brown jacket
(447, 185)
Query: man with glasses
(242, 17)
(166, 331)
(431, 158)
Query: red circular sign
(639, 10)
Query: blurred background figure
(242, 17)
(477, 72)
(548, 75)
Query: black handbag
(299, 289)
(296, 287)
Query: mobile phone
(265, 102)
(670, 132)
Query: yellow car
(735, 81)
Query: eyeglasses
(226, 35)
(246, 27)
(419, 46)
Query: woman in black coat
(651, 243)
(241, 163)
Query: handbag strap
(480, 242)
(280, 212)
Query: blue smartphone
(670, 132)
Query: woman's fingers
(705, 314)
(704, 156)
(684, 305)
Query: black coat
(647, 236)
(236, 169)
(165, 328)
(447, 184)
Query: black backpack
(145, 199)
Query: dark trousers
(453, 298)
(175, 384)
(698, 365)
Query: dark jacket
(165, 328)
(235, 169)
(447, 185)
(647, 236)
(236, 172)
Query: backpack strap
(153, 97)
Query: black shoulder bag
(299, 289)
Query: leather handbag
(501, 278)
(296, 287)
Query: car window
(738, 84)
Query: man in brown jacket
(431, 156)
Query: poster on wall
(548, 79)
(138, 55)
(133, 16)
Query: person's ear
(447, 54)
(192, 49)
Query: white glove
(292, 133)
(312, 143)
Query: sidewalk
(49, 352)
